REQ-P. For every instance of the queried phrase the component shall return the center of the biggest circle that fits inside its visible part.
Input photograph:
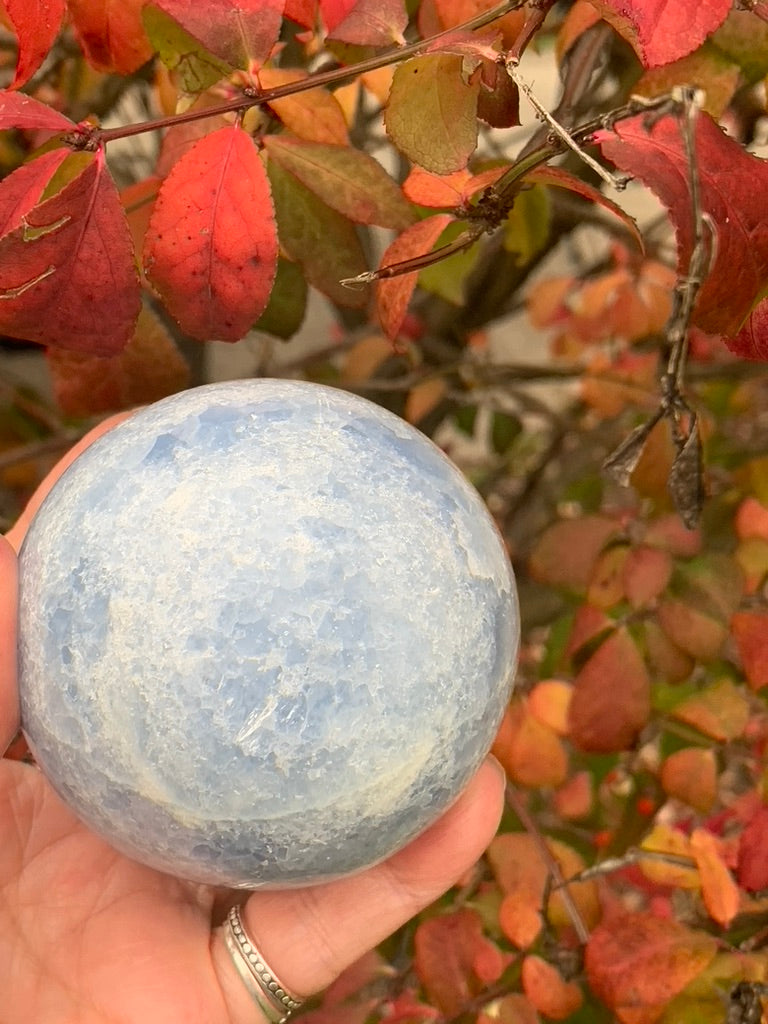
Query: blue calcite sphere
(267, 634)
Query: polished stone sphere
(267, 634)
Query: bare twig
(556, 875)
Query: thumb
(9, 700)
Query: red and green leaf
(347, 180)
(20, 192)
(368, 22)
(67, 273)
(237, 34)
(211, 246)
(320, 240)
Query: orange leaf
(211, 246)
(149, 368)
(670, 533)
(520, 921)
(531, 753)
(646, 573)
(665, 659)
(575, 797)
(111, 33)
(448, 949)
(691, 629)
(423, 398)
(718, 889)
(547, 990)
(549, 701)
(720, 711)
(751, 519)
(690, 775)
(637, 963)
(611, 697)
(606, 584)
(511, 1009)
(315, 115)
(394, 294)
(664, 839)
(521, 874)
(750, 631)
(566, 553)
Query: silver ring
(270, 995)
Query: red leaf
(335, 11)
(611, 697)
(663, 30)
(67, 274)
(36, 23)
(149, 368)
(637, 963)
(111, 33)
(690, 775)
(751, 342)
(560, 178)
(752, 867)
(394, 294)
(566, 553)
(21, 190)
(750, 631)
(20, 111)
(449, 950)
(236, 33)
(732, 185)
(211, 246)
(372, 23)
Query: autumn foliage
(384, 158)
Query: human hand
(90, 937)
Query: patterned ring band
(272, 998)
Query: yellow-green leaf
(432, 112)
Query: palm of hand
(82, 925)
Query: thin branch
(337, 76)
(549, 859)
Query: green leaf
(180, 52)
(319, 239)
(432, 112)
(447, 277)
(287, 304)
(743, 38)
(504, 430)
(349, 181)
(526, 229)
(465, 419)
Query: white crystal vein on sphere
(267, 634)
